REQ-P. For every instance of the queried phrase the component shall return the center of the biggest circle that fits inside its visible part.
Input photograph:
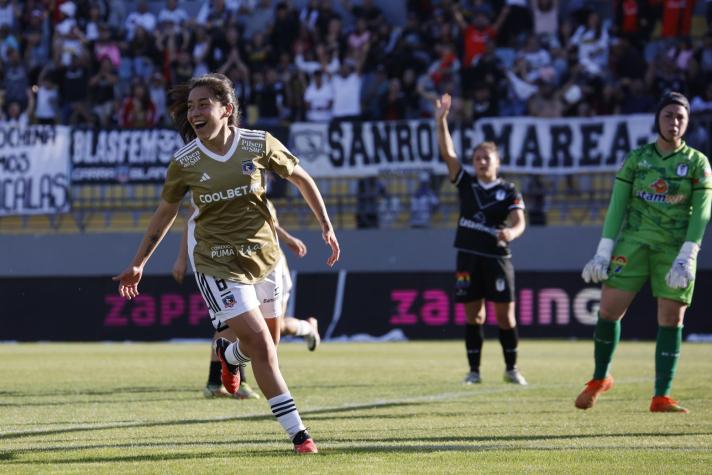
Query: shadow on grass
(249, 417)
(421, 445)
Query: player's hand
(330, 239)
(682, 271)
(596, 270)
(179, 268)
(128, 281)
(442, 107)
(504, 234)
(297, 246)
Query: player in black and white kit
(491, 215)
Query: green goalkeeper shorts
(633, 262)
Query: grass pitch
(372, 408)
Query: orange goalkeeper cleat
(666, 404)
(593, 389)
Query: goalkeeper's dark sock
(214, 374)
(605, 340)
(509, 340)
(667, 354)
(474, 338)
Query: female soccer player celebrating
(232, 240)
(657, 216)
(491, 216)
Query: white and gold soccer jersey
(231, 234)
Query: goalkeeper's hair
(219, 85)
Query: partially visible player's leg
(500, 290)
(628, 271)
(671, 314)
(256, 344)
(474, 339)
(606, 336)
(214, 387)
(469, 291)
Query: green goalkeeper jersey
(660, 202)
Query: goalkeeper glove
(682, 271)
(596, 270)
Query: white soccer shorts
(227, 299)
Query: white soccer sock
(233, 355)
(303, 328)
(285, 411)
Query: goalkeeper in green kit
(657, 216)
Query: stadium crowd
(99, 63)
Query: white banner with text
(526, 144)
(34, 169)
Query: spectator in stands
(285, 29)
(141, 18)
(74, 92)
(138, 110)
(593, 42)
(423, 202)
(102, 91)
(9, 12)
(347, 86)
(370, 193)
(514, 22)
(545, 17)
(268, 97)
(47, 100)
(143, 53)
(491, 216)
(182, 67)
(157, 93)
(202, 44)
(172, 14)
(393, 103)
(14, 114)
(15, 81)
(319, 98)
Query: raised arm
(301, 179)
(160, 223)
(447, 148)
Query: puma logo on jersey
(204, 178)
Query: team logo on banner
(682, 169)
(248, 168)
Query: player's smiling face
(206, 114)
(673, 122)
(486, 164)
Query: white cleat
(515, 377)
(472, 377)
(313, 339)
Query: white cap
(68, 8)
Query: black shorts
(481, 277)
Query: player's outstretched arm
(160, 223)
(302, 180)
(447, 148)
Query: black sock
(474, 337)
(509, 340)
(214, 375)
(242, 374)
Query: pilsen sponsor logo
(527, 145)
